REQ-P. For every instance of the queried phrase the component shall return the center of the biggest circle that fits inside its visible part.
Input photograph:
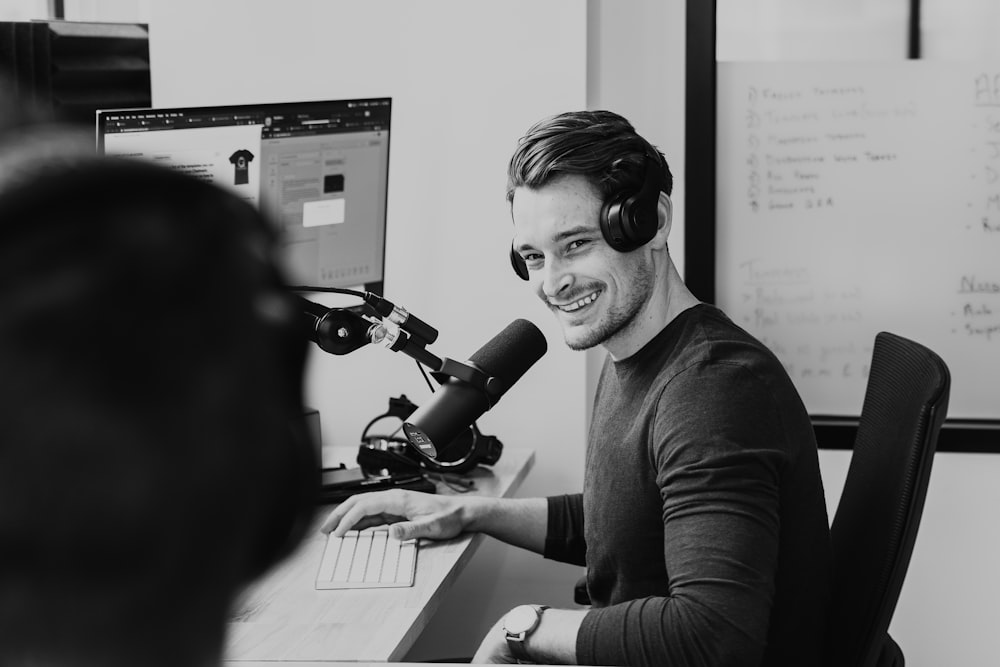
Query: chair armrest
(580, 594)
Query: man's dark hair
(152, 460)
(601, 146)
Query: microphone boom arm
(342, 331)
(441, 367)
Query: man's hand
(411, 513)
(494, 650)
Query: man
(153, 459)
(702, 521)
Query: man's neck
(670, 298)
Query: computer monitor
(320, 170)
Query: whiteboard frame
(832, 432)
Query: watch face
(520, 619)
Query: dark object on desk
(339, 484)
(70, 69)
(876, 522)
(379, 453)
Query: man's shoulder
(707, 336)
(718, 361)
(700, 349)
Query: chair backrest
(875, 526)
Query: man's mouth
(574, 306)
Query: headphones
(379, 455)
(629, 219)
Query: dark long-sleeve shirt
(702, 522)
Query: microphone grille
(510, 353)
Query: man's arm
(553, 642)
(720, 477)
(521, 522)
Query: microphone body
(458, 403)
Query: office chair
(875, 525)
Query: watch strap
(518, 648)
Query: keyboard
(367, 558)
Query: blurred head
(562, 177)
(152, 455)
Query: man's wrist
(518, 625)
(553, 641)
(476, 512)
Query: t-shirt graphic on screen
(241, 161)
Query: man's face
(596, 292)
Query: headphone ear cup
(468, 450)
(630, 220)
(517, 262)
(613, 226)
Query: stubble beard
(619, 317)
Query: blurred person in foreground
(153, 455)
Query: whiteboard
(854, 198)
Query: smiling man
(702, 522)
(600, 295)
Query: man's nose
(556, 278)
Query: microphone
(458, 403)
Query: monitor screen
(320, 170)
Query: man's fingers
(333, 519)
(363, 510)
(404, 530)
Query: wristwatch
(518, 624)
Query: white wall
(466, 79)
(23, 10)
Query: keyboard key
(373, 574)
(407, 563)
(360, 561)
(329, 562)
(391, 562)
(345, 555)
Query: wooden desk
(284, 618)
(332, 663)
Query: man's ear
(665, 219)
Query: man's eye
(579, 243)
(532, 257)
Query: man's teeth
(577, 305)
